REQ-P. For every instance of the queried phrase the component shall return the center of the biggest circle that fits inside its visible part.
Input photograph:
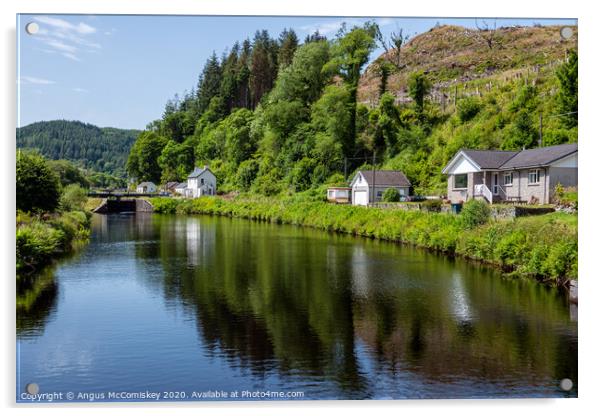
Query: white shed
(369, 186)
(146, 188)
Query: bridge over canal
(120, 202)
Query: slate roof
(196, 172)
(182, 185)
(542, 156)
(146, 184)
(386, 178)
(502, 160)
(489, 159)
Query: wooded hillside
(284, 116)
(100, 149)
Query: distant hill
(102, 149)
(453, 55)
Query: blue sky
(119, 71)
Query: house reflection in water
(360, 272)
(460, 306)
(200, 241)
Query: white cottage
(146, 188)
(201, 182)
(511, 176)
(369, 186)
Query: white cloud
(385, 21)
(82, 90)
(330, 27)
(66, 38)
(63, 25)
(58, 45)
(33, 80)
(71, 56)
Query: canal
(202, 304)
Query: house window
(534, 176)
(461, 181)
(379, 194)
(508, 178)
(202, 181)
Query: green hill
(277, 117)
(101, 149)
(455, 55)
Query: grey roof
(386, 178)
(146, 184)
(489, 159)
(198, 171)
(541, 156)
(181, 185)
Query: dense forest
(283, 115)
(102, 152)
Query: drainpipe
(545, 188)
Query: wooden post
(456, 96)
(345, 168)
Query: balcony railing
(484, 191)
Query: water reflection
(335, 316)
(36, 300)
(280, 298)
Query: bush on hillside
(468, 108)
(474, 213)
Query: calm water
(203, 304)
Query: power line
(563, 114)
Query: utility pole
(345, 168)
(373, 174)
(540, 129)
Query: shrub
(558, 193)
(74, 198)
(246, 173)
(432, 205)
(511, 249)
(37, 185)
(468, 108)
(39, 241)
(36, 244)
(391, 195)
(474, 213)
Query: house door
(360, 198)
(496, 187)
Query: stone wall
(514, 211)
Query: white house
(200, 182)
(181, 188)
(146, 188)
(511, 176)
(368, 186)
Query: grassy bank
(42, 238)
(542, 247)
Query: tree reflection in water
(274, 298)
